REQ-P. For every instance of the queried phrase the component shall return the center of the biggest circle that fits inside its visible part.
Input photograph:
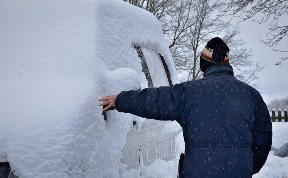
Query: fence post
(279, 117)
(285, 115)
(273, 115)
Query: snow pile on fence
(57, 58)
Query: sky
(272, 81)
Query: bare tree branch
(270, 11)
(189, 24)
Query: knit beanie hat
(215, 52)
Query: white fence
(147, 152)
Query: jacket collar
(219, 69)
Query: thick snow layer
(57, 58)
(129, 27)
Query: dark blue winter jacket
(226, 124)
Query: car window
(154, 67)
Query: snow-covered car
(57, 58)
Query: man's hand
(107, 100)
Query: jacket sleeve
(163, 103)
(262, 136)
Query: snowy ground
(275, 167)
(158, 169)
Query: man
(226, 124)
